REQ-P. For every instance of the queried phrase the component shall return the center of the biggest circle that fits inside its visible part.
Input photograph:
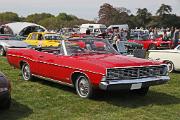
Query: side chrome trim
(55, 81)
(21, 57)
(55, 64)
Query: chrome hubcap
(83, 87)
(26, 72)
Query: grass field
(42, 100)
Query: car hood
(14, 43)
(99, 63)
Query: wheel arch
(74, 76)
(166, 61)
(21, 63)
(1, 46)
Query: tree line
(47, 20)
(107, 15)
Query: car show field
(90, 60)
(46, 100)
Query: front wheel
(170, 66)
(26, 72)
(83, 87)
(2, 51)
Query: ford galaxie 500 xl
(88, 64)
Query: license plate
(136, 86)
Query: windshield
(88, 46)
(52, 37)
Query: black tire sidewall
(169, 62)
(3, 51)
(90, 93)
(23, 66)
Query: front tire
(83, 87)
(26, 72)
(170, 66)
(2, 51)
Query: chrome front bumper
(127, 84)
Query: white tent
(23, 28)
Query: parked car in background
(87, 65)
(151, 44)
(120, 27)
(94, 28)
(43, 39)
(21, 29)
(7, 40)
(171, 57)
(5, 92)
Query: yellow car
(44, 39)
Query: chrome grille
(133, 73)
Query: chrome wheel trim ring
(82, 87)
(170, 66)
(26, 72)
(1, 51)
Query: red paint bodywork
(158, 42)
(59, 67)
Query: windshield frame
(110, 48)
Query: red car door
(52, 66)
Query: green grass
(42, 100)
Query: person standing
(151, 34)
(176, 37)
(2, 29)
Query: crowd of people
(151, 33)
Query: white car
(7, 41)
(170, 57)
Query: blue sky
(87, 9)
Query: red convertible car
(152, 44)
(88, 66)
